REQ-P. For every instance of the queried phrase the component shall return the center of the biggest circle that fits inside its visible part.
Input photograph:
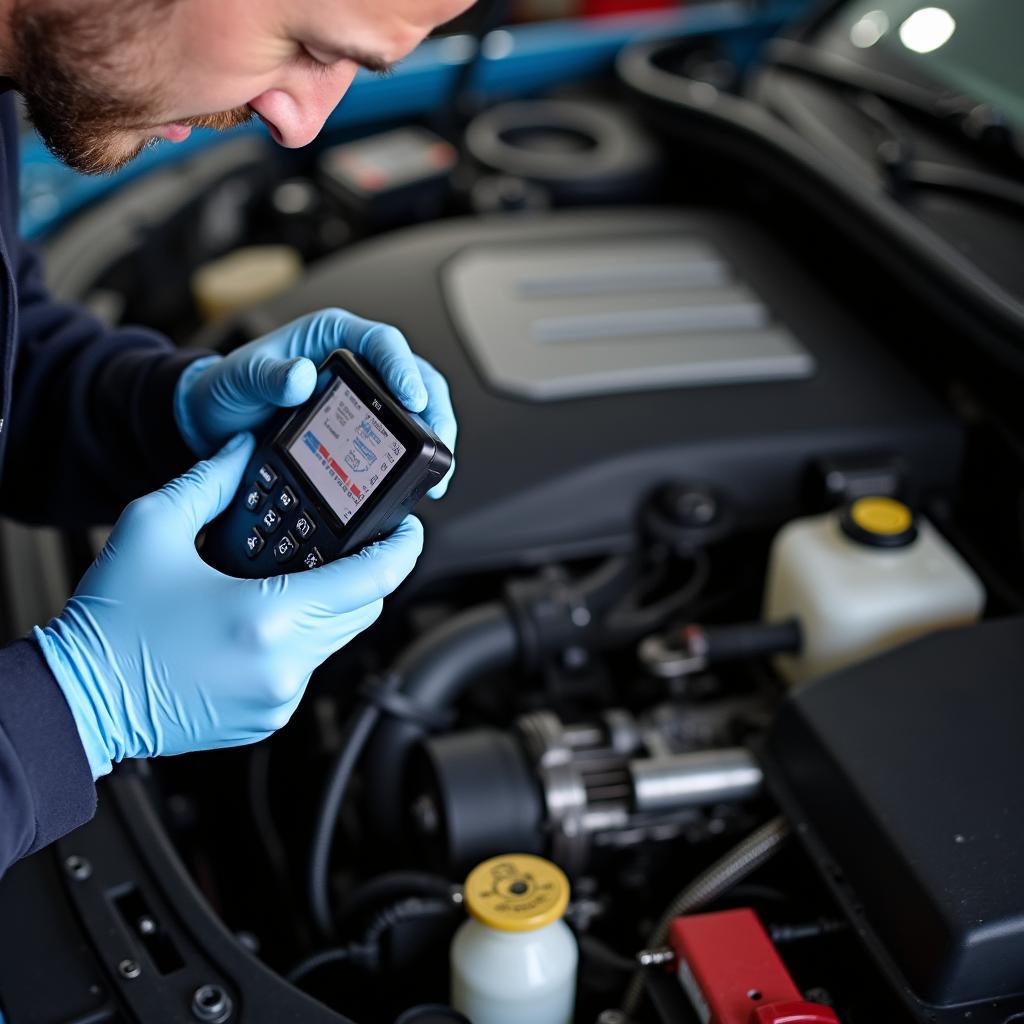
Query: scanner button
(254, 543)
(266, 477)
(304, 526)
(312, 559)
(285, 548)
(254, 498)
(286, 499)
(271, 520)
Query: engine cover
(594, 356)
(903, 776)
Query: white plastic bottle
(862, 580)
(514, 961)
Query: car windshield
(971, 47)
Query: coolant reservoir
(243, 278)
(514, 961)
(862, 580)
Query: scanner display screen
(345, 450)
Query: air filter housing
(905, 777)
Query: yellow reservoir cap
(885, 517)
(879, 522)
(517, 892)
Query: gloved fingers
(256, 379)
(208, 487)
(354, 623)
(383, 346)
(439, 415)
(441, 489)
(269, 704)
(241, 740)
(279, 716)
(361, 579)
(193, 380)
(388, 352)
(317, 335)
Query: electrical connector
(732, 973)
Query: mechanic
(156, 653)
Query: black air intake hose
(435, 671)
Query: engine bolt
(78, 868)
(129, 968)
(211, 1004)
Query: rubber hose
(438, 668)
(394, 886)
(435, 671)
(757, 849)
(313, 963)
(413, 908)
(358, 731)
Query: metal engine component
(567, 789)
(583, 777)
(683, 780)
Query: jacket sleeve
(92, 423)
(46, 787)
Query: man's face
(103, 78)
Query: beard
(66, 62)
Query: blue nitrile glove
(158, 653)
(218, 396)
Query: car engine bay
(721, 613)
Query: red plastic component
(729, 968)
(795, 1013)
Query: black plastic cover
(66, 932)
(905, 775)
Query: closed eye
(323, 60)
(307, 60)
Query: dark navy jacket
(86, 424)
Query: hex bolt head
(77, 867)
(129, 968)
(211, 1004)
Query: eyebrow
(370, 61)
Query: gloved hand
(218, 396)
(158, 653)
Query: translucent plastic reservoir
(863, 580)
(515, 960)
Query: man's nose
(296, 115)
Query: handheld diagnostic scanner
(327, 478)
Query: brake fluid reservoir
(514, 961)
(862, 580)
